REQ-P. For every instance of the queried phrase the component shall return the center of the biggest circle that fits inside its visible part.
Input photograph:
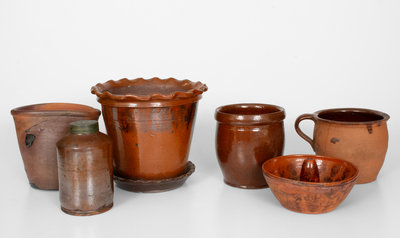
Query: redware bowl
(336, 179)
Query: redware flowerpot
(247, 135)
(150, 123)
(39, 127)
(353, 134)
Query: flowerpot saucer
(154, 186)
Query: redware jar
(85, 170)
(247, 135)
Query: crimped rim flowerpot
(38, 128)
(150, 122)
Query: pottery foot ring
(154, 186)
(245, 186)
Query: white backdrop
(301, 55)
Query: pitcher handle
(300, 132)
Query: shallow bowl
(336, 179)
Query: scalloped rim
(100, 89)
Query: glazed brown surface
(150, 123)
(144, 90)
(336, 179)
(246, 136)
(150, 143)
(39, 127)
(356, 135)
(309, 171)
(85, 173)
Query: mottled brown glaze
(85, 173)
(246, 136)
(150, 123)
(39, 127)
(337, 178)
(353, 134)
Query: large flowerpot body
(39, 127)
(150, 123)
(246, 136)
(86, 170)
(359, 136)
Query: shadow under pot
(357, 135)
(150, 123)
(246, 136)
(39, 127)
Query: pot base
(41, 188)
(245, 186)
(368, 180)
(154, 186)
(87, 213)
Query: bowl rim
(385, 116)
(28, 110)
(351, 179)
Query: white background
(301, 55)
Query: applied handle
(300, 132)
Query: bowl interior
(330, 169)
(54, 108)
(350, 116)
(149, 89)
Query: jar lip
(351, 116)
(141, 89)
(249, 113)
(84, 127)
(55, 109)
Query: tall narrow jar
(85, 170)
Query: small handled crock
(353, 134)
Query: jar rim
(249, 113)
(351, 116)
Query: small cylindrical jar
(85, 170)
(247, 135)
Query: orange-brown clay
(85, 170)
(39, 127)
(150, 123)
(337, 178)
(246, 136)
(356, 135)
